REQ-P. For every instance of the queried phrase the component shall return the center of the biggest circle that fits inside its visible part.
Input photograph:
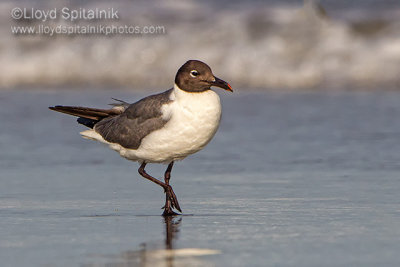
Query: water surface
(290, 179)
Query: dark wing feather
(137, 121)
(89, 113)
(88, 116)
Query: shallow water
(290, 179)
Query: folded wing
(123, 124)
(137, 121)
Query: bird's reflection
(148, 256)
(153, 254)
(172, 225)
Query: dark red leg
(170, 199)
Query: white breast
(194, 119)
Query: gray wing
(137, 121)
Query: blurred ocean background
(254, 44)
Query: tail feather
(87, 122)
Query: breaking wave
(254, 44)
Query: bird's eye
(194, 73)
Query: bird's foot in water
(169, 212)
(171, 202)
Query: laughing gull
(160, 128)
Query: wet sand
(291, 179)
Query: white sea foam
(251, 45)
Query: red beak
(222, 84)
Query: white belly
(194, 120)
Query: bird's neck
(209, 97)
(182, 94)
